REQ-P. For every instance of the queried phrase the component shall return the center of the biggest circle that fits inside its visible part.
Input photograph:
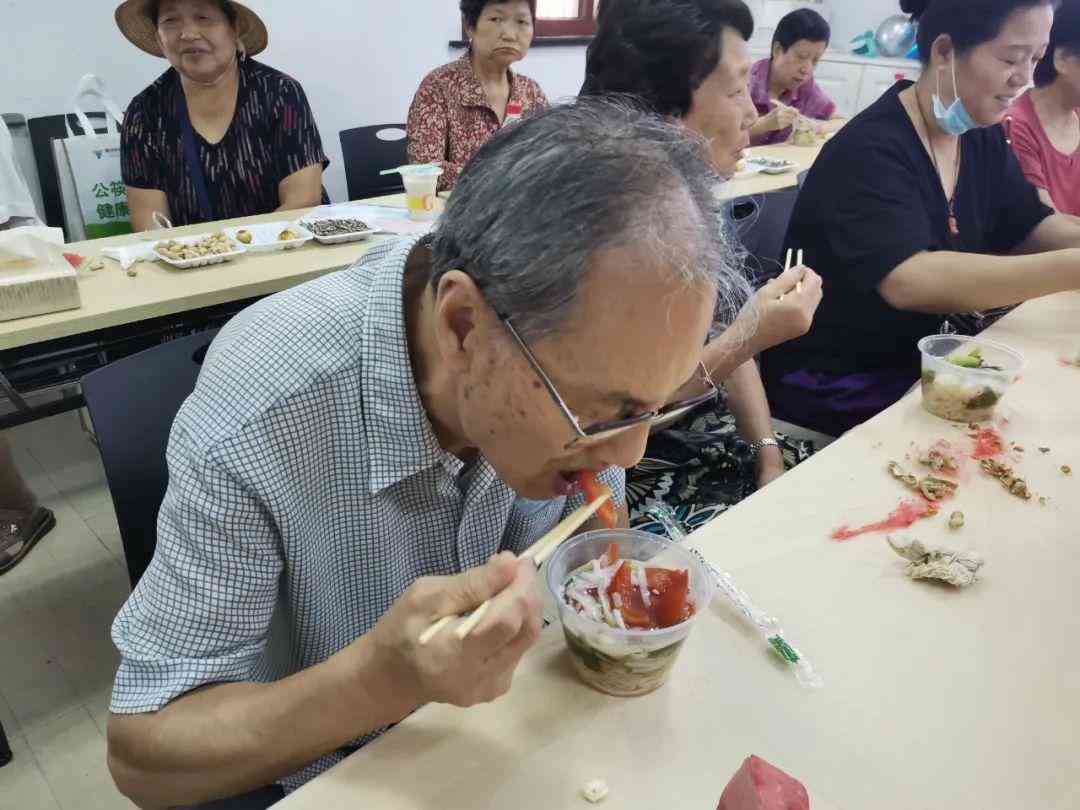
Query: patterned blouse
(272, 136)
(451, 118)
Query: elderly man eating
(368, 452)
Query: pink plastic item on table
(760, 786)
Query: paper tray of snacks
(188, 252)
(270, 237)
(338, 230)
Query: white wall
(359, 61)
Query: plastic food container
(265, 237)
(235, 249)
(963, 394)
(625, 663)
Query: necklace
(954, 226)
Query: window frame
(584, 25)
(556, 31)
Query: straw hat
(133, 17)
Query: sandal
(19, 534)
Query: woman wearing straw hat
(218, 135)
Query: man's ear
(461, 316)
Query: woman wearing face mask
(688, 60)
(783, 86)
(460, 105)
(1044, 126)
(919, 217)
(218, 135)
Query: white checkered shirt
(306, 492)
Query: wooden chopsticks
(540, 551)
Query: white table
(934, 698)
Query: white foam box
(37, 290)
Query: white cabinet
(841, 82)
(877, 79)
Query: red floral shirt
(451, 118)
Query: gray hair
(541, 197)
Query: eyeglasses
(605, 430)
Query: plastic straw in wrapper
(767, 625)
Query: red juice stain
(988, 444)
(904, 516)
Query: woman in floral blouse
(462, 104)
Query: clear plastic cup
(962, 394)
(421, 182)
(625, 663)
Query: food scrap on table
(1004, 473)
(1066, 469)
(957, 568)
(942, 458)
(132, 272)
(97, 264)
(988, 442)
(75, 260)
(758, 785)
(288, 235)
(1044, 450)
(244, 237)
(595, 791)
(904, 516)
(931, 488)
(956, 521)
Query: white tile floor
(56, 660)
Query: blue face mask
(954, 119)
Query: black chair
(5, 749)
(132, 404)
(368, 151)
(43, 131)
(762, 229)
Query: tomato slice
(670, 591)
(593, 489)
(631, 605)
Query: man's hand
(786, 312)
(446, 670)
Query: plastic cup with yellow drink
(421, 182)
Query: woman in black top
(920, 218)
(218, 135)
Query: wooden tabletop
(802, 156)
(111, 298)
(933, 697)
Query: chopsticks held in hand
(538, 553)
(787, 266)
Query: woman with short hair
(460, 105)
(783, 87)
(688, 60)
